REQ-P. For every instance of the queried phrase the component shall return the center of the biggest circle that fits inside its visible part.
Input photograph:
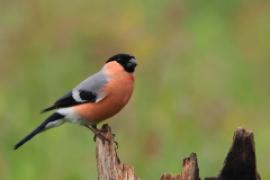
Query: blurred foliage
(203, 71)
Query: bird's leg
(98, 133)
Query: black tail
(48, 109)
(39, 129)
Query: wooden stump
(109, 165)
(240, 163)
(190, 170)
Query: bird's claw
(116, 144)
(102, 137)
(98, 133)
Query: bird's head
(127, 61)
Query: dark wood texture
(240, 163)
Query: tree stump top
(109, 165)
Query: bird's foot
(115, 142)
(103, 138)
(99, 133)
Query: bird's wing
(89, 90)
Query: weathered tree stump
(240, 163)
(190, 170)
(109, 165)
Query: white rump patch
(70, 115)
(54, 123)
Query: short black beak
(131, 65)
(133, 62)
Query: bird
(95, 99)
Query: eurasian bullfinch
(95, 99)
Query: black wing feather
(68, 100)
(88, 96)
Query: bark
(190, 170)
(109, 165)
(240, 162)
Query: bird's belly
(93, 113)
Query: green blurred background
(203, 71)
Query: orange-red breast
(95, 99)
